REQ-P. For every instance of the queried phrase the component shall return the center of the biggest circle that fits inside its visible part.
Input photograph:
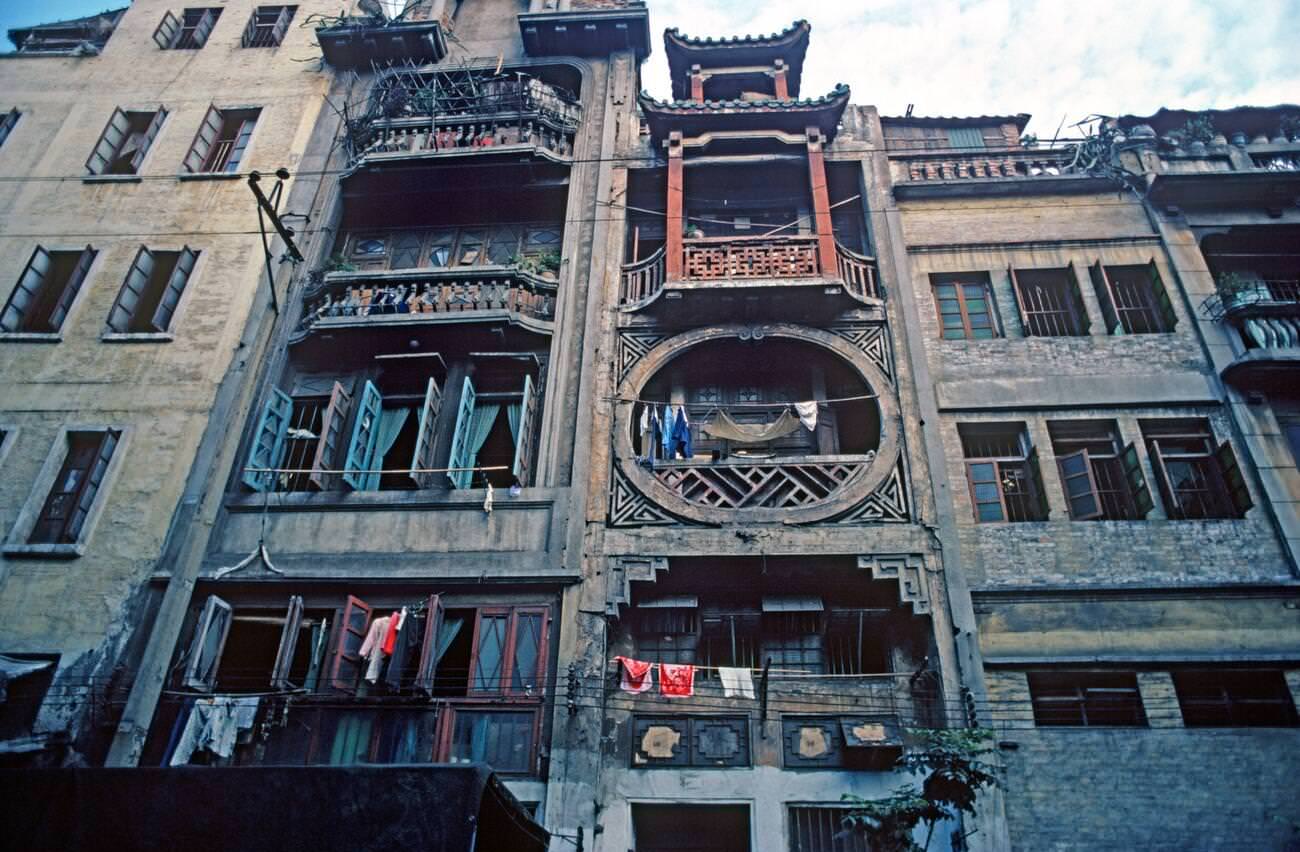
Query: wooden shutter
(1233, 481)
(155, 125)
(203, 28)
(1076, 298)
(250, 31)
(346, 665)
(1106, 298)
(1137, 482)
(109, 143)
(240, 145)
(428, 670)
(268, 440)
(205, 648)
(965, 137)
(1036, 483)
(281, 25)
(94, 479)
(26, 294)
(171, 295)
(365, 433)
(424, 440)
(1080, 486)
(1020, 301)
(209, 133)
(133, 290)
(71, 288)
(331, 427)
(168, 30)
(1165, 307)
(288, 644)
(460, 460)
(1173, 509)
(524, 443)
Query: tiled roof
(788, 33)
(1019, 119)
(836, 95)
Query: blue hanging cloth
(666, 431)
(682, 434)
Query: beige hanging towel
(722, 426)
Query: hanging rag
(636, 675)
(213, 725)
(373, 648)
(390, 638)
(666, 430)
(682, 434)
(647, 433)
(723, 426)
(736, 683)
(807, 414)
(677, 680)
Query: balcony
(926, 174)
(1266, 313)
(777, 483)
(354, 42)
(749, 261)
(414, 116)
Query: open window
(1101, 477)
(46, 290)
(190, 31)
(222, 139)
(268, 26)
(1050, 302)
(204, 657)
(1003, 473)
(1133, 299)
(125, 141)
(74, 491)
(496, 422)
(1197, 478)
(152, 290)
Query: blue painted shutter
(1168, 318)
(27, 293)
(365, 434)
(171, 297)
(524, 442)
(204, 27)
(133, 290)
(423, 458)
(268, 441)
(460, 455)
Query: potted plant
(337, 263)
(1289, 126)
(1195, 133)
(1236, 288)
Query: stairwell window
(46, 289)
(151, 292)
(1049, 302)
(268, 26)
(1197, 478)
(1102, 478)
(188, 32)
(126, 140)
(222, 141)
(965, 303)
(1003, 473)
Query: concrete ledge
(43, 551)
(1145, 391)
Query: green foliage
(336, 263)
(546, 264)
(1029, 140)
(1198, 128)
(954, 774)
(1289, 126)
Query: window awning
(671, 602)
(792, 603)
(871, 732)
(12, 667)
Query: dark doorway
(691, 828)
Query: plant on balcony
(1289, 126)
(337, 263)
(1234, 288)
(1029, 140)
(546, 264)
(1198, 128)
(955, 773)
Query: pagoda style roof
(1020, 119)
(85, 35)
(793, 116)
(684, 51)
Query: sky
(1054, 59)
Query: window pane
(491, 646)
(502, 740)
(528, 640)
(990, 511)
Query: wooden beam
(674, 223)
(779, 79)
(821, 204)
(697, 84)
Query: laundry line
(730, 405)
(614, 664)
(326, 470)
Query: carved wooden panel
(759, 485)
(789, 257)
(700, 741)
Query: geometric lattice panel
(871, 340)
(632, 346)
(887, 504)
(628, 507)
(907, 570)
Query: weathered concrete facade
(85, 598)
(1048, 489)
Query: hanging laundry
(666, 430)
(390, 638)
(736, 683)
(681, 434)
(724, 426)
(677, 681)
(647, 434)
(807, 412)
(213, 725)
(373, 648)
(636, 675)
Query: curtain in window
(391, 421)
(485, 416)
(515, 413)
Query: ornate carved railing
(858, 272)
(642, 279)
(1007, 164)
(761, 484)
(714, 258)
(443, 292)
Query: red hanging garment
(678, 681)
(636, 675)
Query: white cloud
(1046, 57)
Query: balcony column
(821, 205)
(697, 84)
(673, 225)
(779, 80)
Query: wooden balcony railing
(454, 291)
(769, 484)
(1007, 164)
(747, 258)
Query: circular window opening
(740, 403)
